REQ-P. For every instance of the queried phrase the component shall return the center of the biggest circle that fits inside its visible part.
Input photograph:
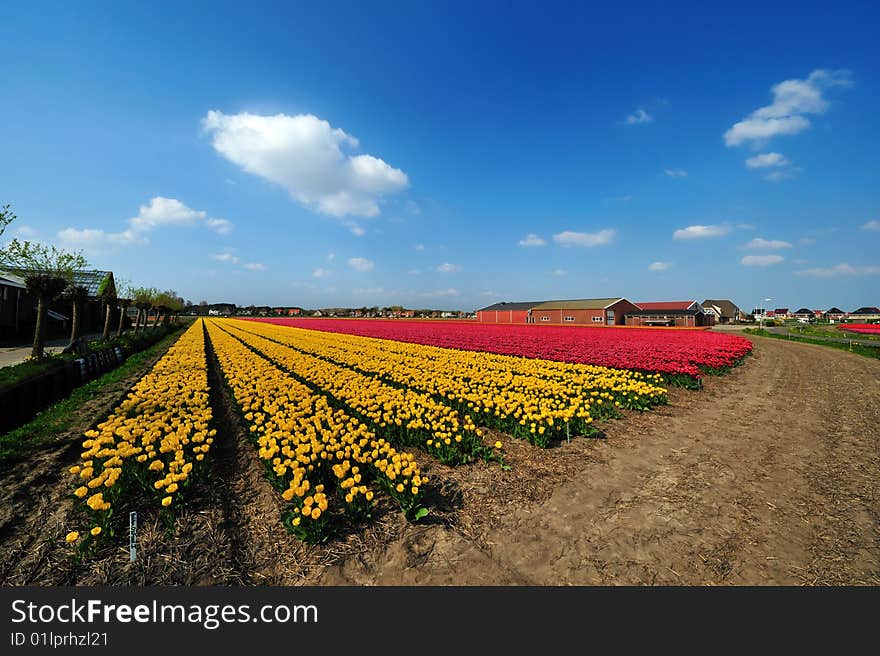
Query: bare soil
(770, 475)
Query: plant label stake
(132, 535)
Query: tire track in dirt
(768, 476)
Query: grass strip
(867, 351)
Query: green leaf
(420, 513)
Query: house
(586, 311)
(864, 314)
(16, 305)
(18, 308)
(723, 310)
(804, 313)
(408, 314)
(682, 314)
(834, 314)
(506, 312)
(781, 313)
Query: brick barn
(587, 311)
(681, 314)
(506, 312)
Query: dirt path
(769, 476)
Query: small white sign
(132, 535)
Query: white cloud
(558, 272)
(792, 99)
(368, 291)
(659, 266)
(675, 173)
(414, 272)
(744, 226)
(701, 231)
(320, 272)
(767, 244)
(761, 260)
(93, 240)
(872, 225)
(226, 257)
(360, 263)
(766, 159)
(840, 270)
(446, 267)
(440, 293)
(588, 239)
(532, 239)
(355, 228)
(220, 226)
(25, 232)
(779, 176)
(307, 156)
(638, 116)
(419, 247)
(331, 257)
(160, 212)
(807, 241)
(255, 266)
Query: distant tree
(47, 272)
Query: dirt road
(770, 475)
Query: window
(545, 318)
(597, 319)
(568, 319)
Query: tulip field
(861, 328)
(346, 415)
(681, 356)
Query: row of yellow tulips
(403, 416)
(153, 441)
(323, 461)
(535, 399)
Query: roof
(11, 280)
(835, 310)
(579, 304)
(728, 308)
(504, 305)
(804, 311)
(867, 310)
(671, 312)
(667, 305)
(90, 280)
(781, 310)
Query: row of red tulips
(686, 353)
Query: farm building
(865, 314)
(683, 314)
(723, 310)
(506, 312)
(587, 311)
(18, 307)
(781, 313)
(834, 314)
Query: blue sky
(449, 155)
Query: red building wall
(502, 316)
